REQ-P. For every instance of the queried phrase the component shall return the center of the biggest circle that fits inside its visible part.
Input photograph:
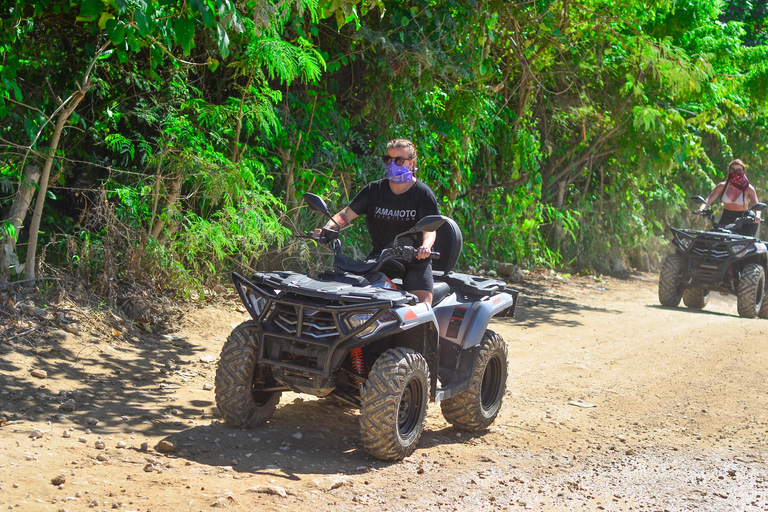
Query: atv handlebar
(326, 237)
(406, 253)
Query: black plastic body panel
(710, 261)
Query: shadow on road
(303, 438)
(540, 303)
(101, 386)
(691, 311)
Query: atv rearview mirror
(699, 200)
(759, 207)
(317, 204)
(428, 223)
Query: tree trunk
(155, 194)
(16, 216)
(346, 181)
(34, 228)
(559, 221)
(174, 192)
(237, 153)
(290, 187)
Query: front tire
(477, 407)
(696, 298)
(749, 300)
(394, 404)
(669, 280)
(240, 381)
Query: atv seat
(448, 243)
(440, 291)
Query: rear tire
(696, 298)
(669, 280)
(749, 300)
(763, 313)
(239, 380)
(394, 404)
(477, 407)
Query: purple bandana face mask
(398, 173)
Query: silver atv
(350, 334)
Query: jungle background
(170, 141)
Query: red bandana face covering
(739, 180)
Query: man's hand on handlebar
(322, 235)
(423, 252)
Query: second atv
(719, 260)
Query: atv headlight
(683, 241)
(737, 248)
(257, 303)
(356, 320)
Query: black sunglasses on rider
(738, 169)
(399, 160)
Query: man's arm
(341, 219)
(426, 246)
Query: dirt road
(613, 403)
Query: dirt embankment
(613, 403)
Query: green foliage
(9, 230)
(556, 133)
(232, 235)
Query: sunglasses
(737, 169)
(399, 160)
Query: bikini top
(741, 199)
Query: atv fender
(419, 331)
(414, 315)
(466, 364)
(485, 310)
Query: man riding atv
(394, 205)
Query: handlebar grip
(435, 255)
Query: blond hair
(739, 162)
(403, 143)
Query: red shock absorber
(358, 363)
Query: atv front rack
(308, 335)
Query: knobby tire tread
(380, 403)
(751, 285)
(234, 377)
(695, 298)
(465, 411)
(669, 280)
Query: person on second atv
(394, 205)
(736, 194)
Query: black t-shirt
(388, 214)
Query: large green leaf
(184, 30)
(115, 32)
(90, 10)
(223, 41)
(206, 11)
